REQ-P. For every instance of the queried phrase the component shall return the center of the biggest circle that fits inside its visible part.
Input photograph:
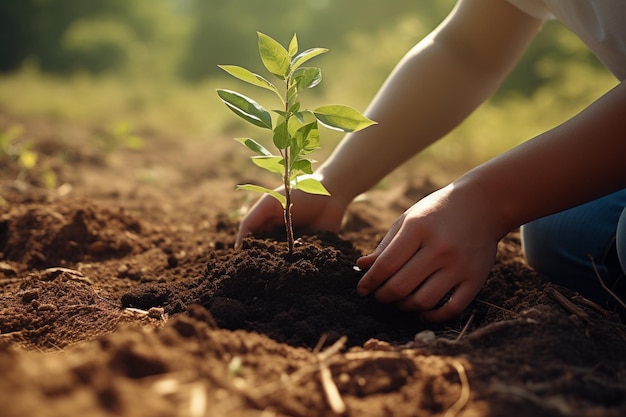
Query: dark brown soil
(121, 295)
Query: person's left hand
(446, 241)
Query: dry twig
(497, 307)
(498, 326)
(464, 397)
(567, 304)
(256, 395)
(330, 388)
(111, 303)
(464, 330)
(587, 302)
(607, 289)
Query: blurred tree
(189, 38)
(15, 27)
(224, 32)
(37, 29)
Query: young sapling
(295, 132)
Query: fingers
(430, 293)
(247, 226)
(402, 283)
(365, 262)
(313, 212)
(460, 299)
(416, 271)
(241, 233)
(388, 257)
(266, 214)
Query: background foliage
(153, 63)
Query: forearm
(582, 159)
(441, 81)
(425, 97)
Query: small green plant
(7, 141)
(120, 136)
(26, 158)
(295, 132)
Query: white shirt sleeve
(534, 8)
(598, 23)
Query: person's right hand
(311, 211)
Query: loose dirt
(121, 295)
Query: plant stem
(288, 224)
(287, 182)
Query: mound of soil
(293, 298)
(42, 237)
(122, 295)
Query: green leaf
(304, 56)
(251, 187)
(246, 108)
(309, 185)
(301, 131)
(271, 163)
(310, 138)
(292, 94)
(307, 77)
(293, 125)
(305, 116)
(293, 45)
(295, 107)
(281, 136)
(282, 113)
(294, 152)
(274, 56)
(301, 166)
(254, 146)
(343, 118)
(249, 77)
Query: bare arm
(447, 241)
(439, 82)
(582, 159)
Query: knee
(558, 247)
(538, 246)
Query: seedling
(295, 132)
(26, 158)
(120, 135)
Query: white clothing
(600, 24)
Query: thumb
(264, 215)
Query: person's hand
(445, 242)
(315, 212)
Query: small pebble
(425, 337)
(155, 312)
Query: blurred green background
(152, 64)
